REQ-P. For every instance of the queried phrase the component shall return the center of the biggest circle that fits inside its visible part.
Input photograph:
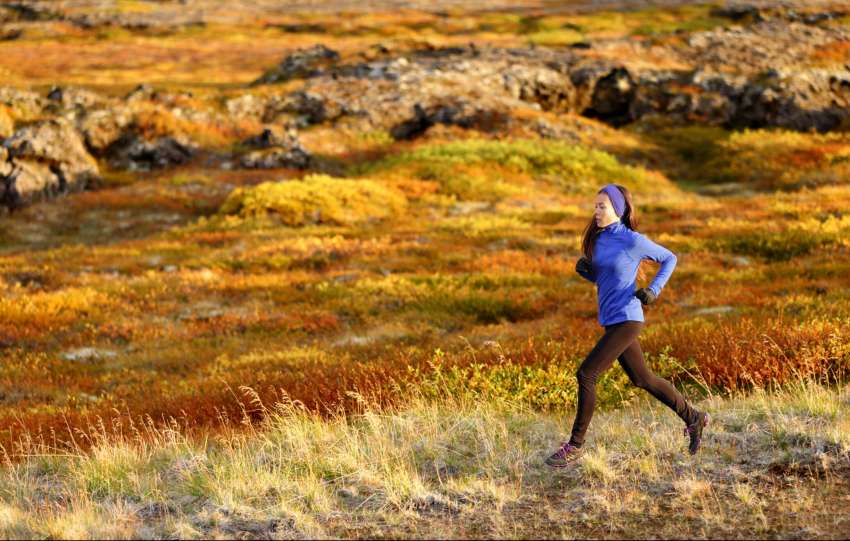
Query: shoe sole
(567, 465)
(561, 466)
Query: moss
(448, 301)
(682, 19)
(134, 6)
(551, 386)
(555, 37)
(316, 199)
(462, 167)
(779, 159)
(486, 226)
(561, 30)
(466, 182)
(779, 246)
(800, 238)
(765, 159)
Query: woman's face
(604, 211)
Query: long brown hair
(629, 219)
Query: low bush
(316, 199)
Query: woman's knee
(648, 382)
(642, 383)
(585, 375)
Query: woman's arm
(646, 249)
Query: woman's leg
(634, 364)
(615, 340)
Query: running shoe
(694, 431)
(566, 455)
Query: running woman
(613, 250)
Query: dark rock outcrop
(480, 87)
(101, 128)
(774, 72)
(300, 64)
(52, 160)
(24, 104)
(465, 86)
(611, 95)
(134, 152)
(276, 149)
(461, 114)
(308, 108)
(771, 65)
(69, 97)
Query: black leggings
(620, 342)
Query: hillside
(205, 212)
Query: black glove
(583, 266)
(646, 295)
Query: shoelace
(565, 448)
(689, 429)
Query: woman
(613, 251)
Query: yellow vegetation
(316, 199)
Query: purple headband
(616, 197)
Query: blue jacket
(616, 256)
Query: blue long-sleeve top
(617, 254)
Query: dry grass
(774, 463)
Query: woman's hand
(583, 266)
(646, 295)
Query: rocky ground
(769, 65)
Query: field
(388, 340)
